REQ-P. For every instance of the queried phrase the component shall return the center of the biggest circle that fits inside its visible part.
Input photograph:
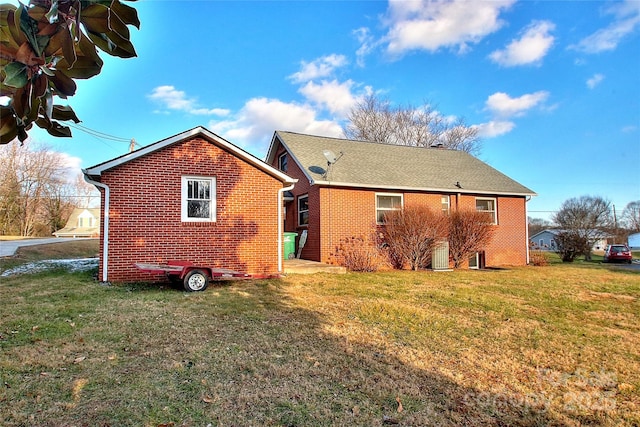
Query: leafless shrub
(411, 235)
(539, 258)
(360, 253)
(469, 232)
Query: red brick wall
(351, 212)
(145, 213)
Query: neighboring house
(633, 241)
(193, 197)
(81, 223)
(545, 240)
(345, 187)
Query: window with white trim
(303, 210)
(488, 205)
(283, 161)
(446, 204)
(385, 203)
(198, 199)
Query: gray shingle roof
(374, 165)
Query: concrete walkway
(9, 247)
(303, 266)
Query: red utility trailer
(193, 277)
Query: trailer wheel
(196, 280)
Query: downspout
(280, 221)
(526, 231)
(105, 231)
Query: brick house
(345, 187)
(195, 197)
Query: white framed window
(446, 204)
(283, 162)
(488, 205)
(198, 199)
(303, 210)
(474, 261)
(385, 203)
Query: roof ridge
(367, 141)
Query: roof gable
(198, 132)
(385, 166)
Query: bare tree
(537, 224)
(412, 233)
(375, 120)
(582, 222)
(631, 216)
(36, 192)
(470, 231)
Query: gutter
(105, 231)
(526, 231)
(419, 189)
(280, 221)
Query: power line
(99, 134)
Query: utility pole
(615, 223)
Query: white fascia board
(272, 152)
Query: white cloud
(626, 19)
(502, 105)
(318, 68)
(431, 25)
(172, 99)
(532, 46)
(494, 128)
(332, 95)
(254, 124)
(367, 44)
(71, 165)
(595, 81)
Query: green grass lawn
(557, 345)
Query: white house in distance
(81, 223)
(633, 241)
(545, 241)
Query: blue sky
(553, 86)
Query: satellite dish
(330, 156)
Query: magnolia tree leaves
(45, 46)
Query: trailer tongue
(193, 277)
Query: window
(446, 203)
(386, 203)
(283, 160)
(488, 206)
(303, 210)
(474, 261)
(198, 199)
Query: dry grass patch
(517, 347)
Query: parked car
(613, 253)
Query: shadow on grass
(240, 353)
